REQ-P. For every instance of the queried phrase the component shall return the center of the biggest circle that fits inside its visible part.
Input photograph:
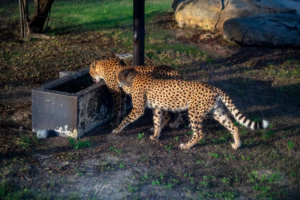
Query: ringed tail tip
(265, 124)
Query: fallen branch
(27, 178)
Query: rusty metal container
(70, 106)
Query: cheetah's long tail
(239, 117)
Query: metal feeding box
(70, 106)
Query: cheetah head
(97, 71)
(125, 77)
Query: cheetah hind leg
(177, 121)
(220, 115)
(181, 118)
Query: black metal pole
(25, 16)
(21, 7)
(138, 32)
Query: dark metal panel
(54, 112)
(95, 107)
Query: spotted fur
(107, 70)
(199, 99)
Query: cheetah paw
(152, 137)
(235, 146)
(183, 146)
(115, 131)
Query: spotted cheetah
(199, 99)
(107, 69)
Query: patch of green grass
(213, 155)
(169, 146)
(176, 138)
(187, 175)
(132, 189)
(24, 141)
(263, 189)
(169, 185)
(78, 144)
(99, 15)
(253, 176)
(229, 157)
(267, 134)
(293, 174)
(175, 181)
(224, 195)
(243, 131)
(121, 166)
(274, 178)
(92, 15)
(140, 136)
(11, 192)
(225, 180)
(290, 145)
(145, 177)
(161, 176)
(190, 132)
(204, 183)
(178, 48)
(202, 141)
(155, 182)
(117, 151)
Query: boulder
(211, 14)
(175, 4)
(274, 30)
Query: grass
(213, 169)
(117, 151)
(140, 136)
(213, 155)
(92, 15)
(290, 145)
(78, 144)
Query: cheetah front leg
(157, 120)
(133, 116)
(117, 100)
(139, 103)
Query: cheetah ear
(126, 72)
(93, 65)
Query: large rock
(211, 14)
(176, 3)
(276, 30)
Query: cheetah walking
(199, 99)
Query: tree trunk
(41, 10)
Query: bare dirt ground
(263, 83)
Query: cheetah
(107, 69)
(198, 98)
